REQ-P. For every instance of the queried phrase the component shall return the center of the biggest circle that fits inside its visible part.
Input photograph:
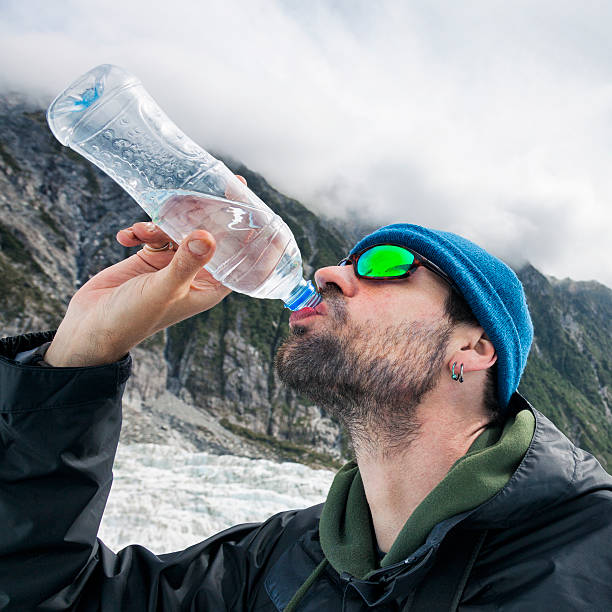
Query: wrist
(62, 354)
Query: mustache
(331, 291)
(336, 302)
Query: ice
(167, 499)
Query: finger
(127, 238)
(195, 251)
(142, 232)
(150, 234)
(236, 190)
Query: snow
(166, 498)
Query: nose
(342, 276)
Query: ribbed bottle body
(108, 117)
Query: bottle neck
(304, 295)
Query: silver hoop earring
(459, 376)
(453, 375)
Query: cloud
(486, 118)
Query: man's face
(372, 350)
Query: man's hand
(124, 304)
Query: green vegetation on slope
(568, 376)
(568, 371)
(284, 449)
(20, 296)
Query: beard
(370, 380)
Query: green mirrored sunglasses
(389, 262)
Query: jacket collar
(347, 534)
(552, 471)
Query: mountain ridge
(209, 383)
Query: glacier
(167, 498)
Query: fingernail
(198, 247)
(150, 227)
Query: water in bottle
(108, 117)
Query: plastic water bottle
(107, 116)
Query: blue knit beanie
(490, 288)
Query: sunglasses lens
(385, 260)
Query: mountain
(208, 383)
(569, 371)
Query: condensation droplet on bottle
(108, 134)
(124, 121)
(120, 143)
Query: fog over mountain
(486, 118)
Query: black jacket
(546, 537)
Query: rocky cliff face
(209, 382)
(569, 371)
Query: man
(462, 495)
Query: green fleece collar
(346, 530)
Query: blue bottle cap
(304, 295)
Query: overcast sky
(491, 119)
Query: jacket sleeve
(59, 430)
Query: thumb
(195, 251)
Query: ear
(476, 353)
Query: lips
(298, 315)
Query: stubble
(370, 377)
